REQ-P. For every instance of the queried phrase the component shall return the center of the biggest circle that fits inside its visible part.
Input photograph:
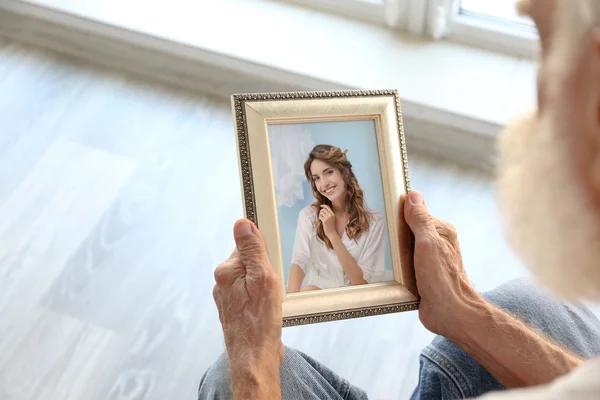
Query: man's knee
(215, 384)
(570, 325)
(523, 298)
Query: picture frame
(280, 129)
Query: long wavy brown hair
(355, 200)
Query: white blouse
(322, 266)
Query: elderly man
(518, 341)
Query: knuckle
(271, 281)
(452, 233)
(423, 217)
(425, 241)
(250, 247)
(446, 229)
(221, 274)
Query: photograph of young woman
(339, 241)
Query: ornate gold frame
(253, 112)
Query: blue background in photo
(291, 145)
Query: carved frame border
(350, 314)
(238, 101)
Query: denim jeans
(446, 372)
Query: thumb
(417, 217)
(250, 245)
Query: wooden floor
(117, 199)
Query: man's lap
(445, 370)
(301, 376)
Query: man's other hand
(441, 279)
(248, 294)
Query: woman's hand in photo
(327, 217)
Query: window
(504, 12)
(488, 24)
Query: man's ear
(595, 167)
(586, 127)
(597, 56)
(542, 12)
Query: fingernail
(416, 198)
(242, 228)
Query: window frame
(370, 11)
(409, 15)
(481, 33)
(437, 19)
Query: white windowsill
(439, 82)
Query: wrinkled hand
(441, 279)
(327, 217)
(249, 296)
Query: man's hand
(449, 306)
(249, 295)
(441, 279)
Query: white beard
(547, 218)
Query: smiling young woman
(339, 241)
